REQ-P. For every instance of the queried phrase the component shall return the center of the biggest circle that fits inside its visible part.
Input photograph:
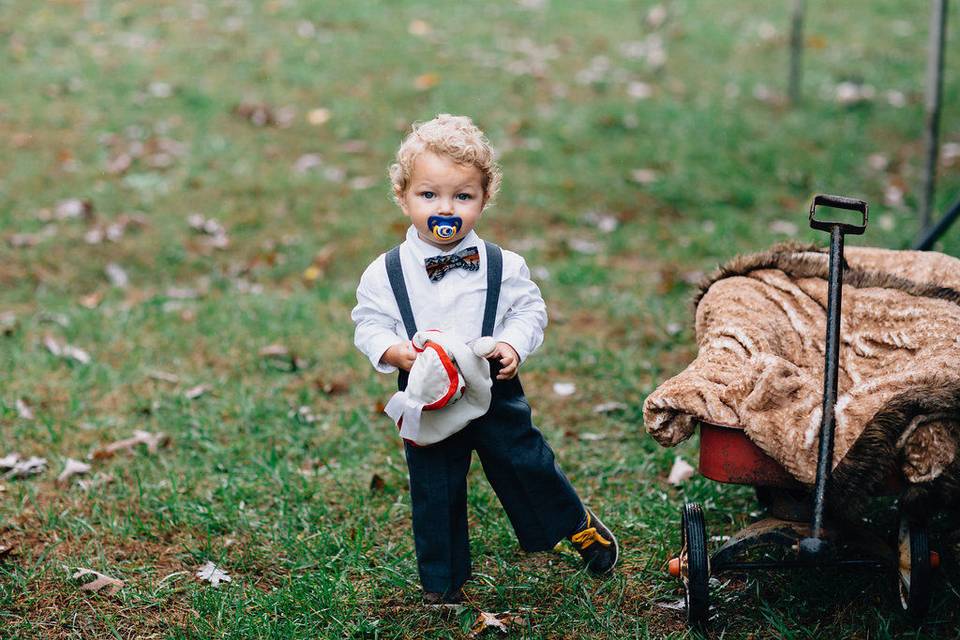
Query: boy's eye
(428, 195)
(463, 196)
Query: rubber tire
(697, 586)
(916, 600)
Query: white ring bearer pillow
(449, 385)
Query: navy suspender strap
(494, 276)
(395, 273)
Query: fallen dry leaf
(499, 622)
(119, 163)
(584, 246)
(8, 323)
(426, 81)
(217, 234)
(680, 472)
(643, 176)
(274, 351)
(332, 385)
(92, 300)
(116, 275)
(878, 161)
(604, 222)
(66, 351)
(377, 483)
(195, 392)
(153, 442)
(163, 376)
(591, 437)
(72, 468)
(20, 240)
(319, 264)
(29, 467)
(76, 353)
(656, 16)
(609, 407)
(564, 388)
(213, 574)
(303, 414)
(108, 585)
(6, 549)
(676, 605)
(73, 208)
(9, 461)
(849, 93)
(308, 161)
(279, 356)
(23, 409)
(419, 28)
(317, 117)
(260, 114)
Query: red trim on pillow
(407, 440)
(413, 344)
(452, 375)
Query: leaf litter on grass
(101, 582)
(153, 442)
(19, 468)
(494, 622)
(213, 574)
(72, 468)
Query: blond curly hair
(455, 137)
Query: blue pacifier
(444, 227)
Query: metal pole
(825, 458)
(938, 21)
(813, 548)
(925, 243)
(796, 51)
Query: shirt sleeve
(376, 316)
(526, 315)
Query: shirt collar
(424, 250)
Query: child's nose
(445, 206)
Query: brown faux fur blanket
(760, 326)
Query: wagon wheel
(915, 567)
(694, 564)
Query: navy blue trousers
(539, 500)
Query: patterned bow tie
(438, 266)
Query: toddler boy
(443, 276)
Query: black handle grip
(838, 202)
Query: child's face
(441, 187)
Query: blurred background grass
(641, 144)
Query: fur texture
(760, 323)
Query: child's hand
(400, 355)
(509, 360)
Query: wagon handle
(814, 546)
(826, 201)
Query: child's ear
(398, 193)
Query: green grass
(285, 504)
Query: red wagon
(795, 521)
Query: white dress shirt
(454, 304)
